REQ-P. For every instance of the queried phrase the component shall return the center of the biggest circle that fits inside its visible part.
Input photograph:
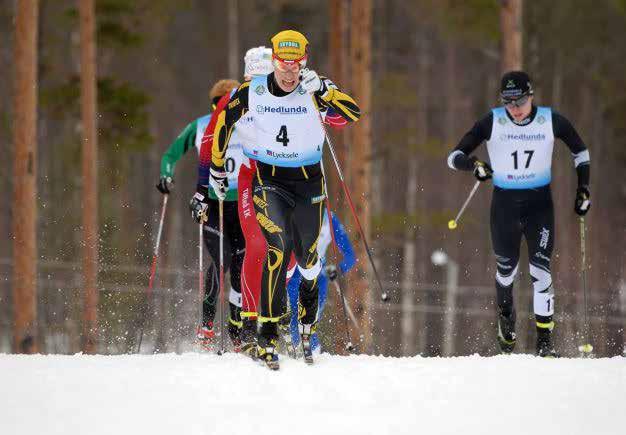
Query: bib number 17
(282, 136)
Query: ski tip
(384, 297)
(452, 224)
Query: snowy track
(205, 394)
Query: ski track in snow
(207, 394)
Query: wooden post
(362, 292)
(511, 30)
(337, 49)
(25, 177)
(234, 60)
(90, 172)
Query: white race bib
(284, 131)
(521, 156)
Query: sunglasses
(289, 65)
(519, 102)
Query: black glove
(219, 182)
(199, 206)
(482, 170)
(582, 203)
(332, 272)
(165, 185)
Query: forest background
(431, 69)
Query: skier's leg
(506, 237)
(256, 246)
(539, 233)
(211, 291)
(307, 224)
(237, 249)
(254, 257)
(273, 212)
(293, 286)
(322, 281)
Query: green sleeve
(184, 141)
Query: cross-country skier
(190, 138)
(520, 138)
(284, 118)
(329, 272)
(258, 61)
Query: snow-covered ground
(207, 394)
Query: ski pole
(221, 286)
(586, 348)
(453, 223)
(200, 268)
(349, 346)
(347, 306)
(383, 294)
(153, 270)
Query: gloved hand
(165, 185)
(311, 82)
(482, 170)
(219, 182)
(332, 272)
(582, 204)
(199, 206)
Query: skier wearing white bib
(282, 111)
(520, 139)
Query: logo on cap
(510, 84)
(283, 44)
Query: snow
(208, 394)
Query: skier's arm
(185, 140)
(207, 142)
(343, 242)
(564, 130)
(341, 103)
(236, 108)
(460, 158)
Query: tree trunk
(90, 179)
(409, 277)
(233, 40)
(511, 31)
(360, 162)
(25, 176)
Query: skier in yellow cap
(283, 112)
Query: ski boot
(545, 348)
(284, 327)
(205, 335)
(248, 337)
(266, 347)
(506, 333)
(305, 337)
(234, 332)
(234, 325)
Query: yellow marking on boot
(304, 172)
(236, 323)
(264, 319)
(549, 325)
(248, 314)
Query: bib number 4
(282, 136)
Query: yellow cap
(289, 45)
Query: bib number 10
(282, 136)
(529, 154)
